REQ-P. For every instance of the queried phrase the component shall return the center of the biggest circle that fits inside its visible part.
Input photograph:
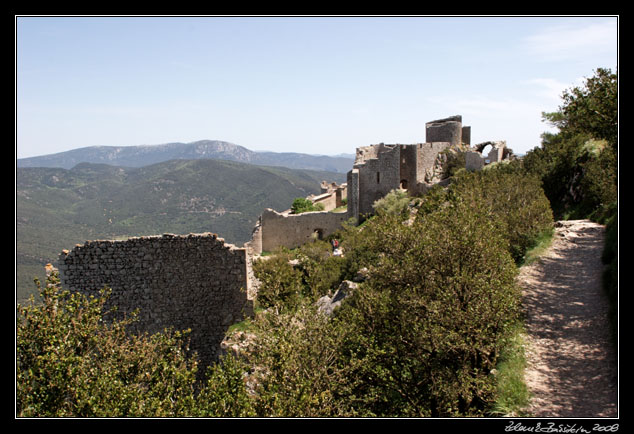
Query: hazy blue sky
(320, 85)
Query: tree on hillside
(590, 109)
(301, 205)
(578, 164)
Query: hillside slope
(57, 208)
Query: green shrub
(430, 322)
(610, 257)
(396, 202)
(301, 205)
(298, 369)
(599, 183)
(70, 363)
(225, 393)
(357, 248)
(578, 174)
(512, 198)
(315, 273)
(281, 284)
(322, 272)
(578, 165)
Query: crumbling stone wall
(191, 281)
(379, 172)
(379, 169)
(428, 170)
(331, 196)
(475, 160)
(293, 230)
(327, 200)
(353, 194)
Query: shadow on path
(571, 362)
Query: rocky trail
(572, 366)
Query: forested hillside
(57, 208)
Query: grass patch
(245, 325)
(541, 244)
(242, 326)
(512, 393)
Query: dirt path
(571, 363)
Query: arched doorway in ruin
(318, 234)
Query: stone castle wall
(427, 160)
(191, 281)
(379, 170)
(293, 230)
(327, 200)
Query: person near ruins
(336, 251)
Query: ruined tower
(379, 169)
(448, 130)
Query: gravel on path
(572, 366)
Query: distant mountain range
(143, 155)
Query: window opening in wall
(378, 177)
(404, 184)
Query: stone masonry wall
(293, 230)
(445, 130)
(353, 194)
(427, 160)
(378, 176)
(192, 282)
(327, 200)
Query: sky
(312, 84)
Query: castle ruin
(199, 282)
(379, 169)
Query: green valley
(58, 208)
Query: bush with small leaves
(281, 283)
(396, 202)
(513, 199)
(301, 205)
(430, 321)
(72, 363)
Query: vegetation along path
(571, 368)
